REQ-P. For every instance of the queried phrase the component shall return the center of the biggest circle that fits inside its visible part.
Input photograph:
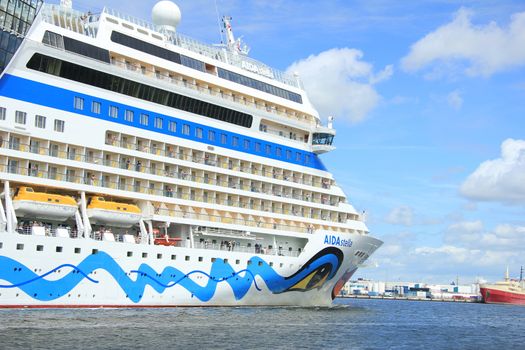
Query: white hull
(66, 286)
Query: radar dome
(166, 15)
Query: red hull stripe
(501, 297)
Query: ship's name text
(337, 241)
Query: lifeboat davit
(43, 206)
(116, 214)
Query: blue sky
(429, 100)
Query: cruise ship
(142, 168)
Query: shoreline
(445, 300)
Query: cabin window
(198, 133)
(40, 121)
(187, 258)
(172, 126)
(78, 103)
(173, 257)
(3, 111)
(129, 116)
(95, 107)
(237, 262)
(19, 246)
(39, 248)
(186, 129)
(59, 125)
(211, 135)
(224, 139)
(158, 123)
(113, 111)
(144, 255)
(159, 256)
(144, 119)
(78, 250)
(20, 117)
(59, 249)
(129, 254)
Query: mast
(521, 274)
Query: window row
(75, 46)
(175, 57)
(134, 89)
(199, 132)
(40, 120)
(169, 190)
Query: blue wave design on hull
(38, 287)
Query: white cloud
(402, 215)
(468, 48)
(501, 179)
(340, 83)
(468, 249)
(455, 100)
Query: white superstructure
(193, 169)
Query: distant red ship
(505, 292)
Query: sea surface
(349, 324)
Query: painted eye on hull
(316, 279)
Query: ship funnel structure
(166, 15)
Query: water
(356, 324)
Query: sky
(429, 105)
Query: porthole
(237, 262)
(19, 246)
(39, 248)
(1, 245)
(94, 251)
(225, 261)
(249, 262)
(187, 258)
(144, 255)
(260, 263)
(271, 263)
(201, 258)
(213, 260)
(59, 249)
(77, 250)
(173, 257)
(159, 256)
(130, 254)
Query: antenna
(521, 274)
(219, 21)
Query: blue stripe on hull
(53, 97)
